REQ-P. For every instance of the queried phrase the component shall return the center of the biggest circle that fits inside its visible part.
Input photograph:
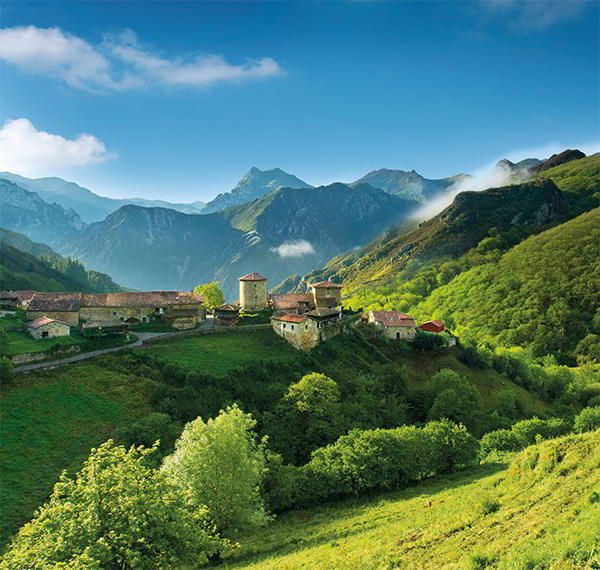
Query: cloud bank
(294, 248)
(120, 62)
(31, 152)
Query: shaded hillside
(521, 209)
(22, 270)
(25, 212)
(22, 242)
(410, 185)
(559, 158)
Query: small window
(114, 313)
(292, 327)
(283, 325)
(45, 334)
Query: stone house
(253, 292)
(8, 300)
(45, 327)
(433, 326)
(327, 294)
(395, 325)
(183, 319)
(59, 306)
(290, 303)
(308, 330)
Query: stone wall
(253, 295)
(405, 333)
(115, 313)
(71, 317)
(52, 330)
(304, 335)
(28, 357)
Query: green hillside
(579, 176)
(53, 418)
(25, 264)
(542, 510)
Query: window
(283, 325)
(292, 327)
(45, 334)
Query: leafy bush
(593, 402)
(220, 465)
(528, 430)
(428, 341)
(488, 507)
(588, 420)
(117, 513)
(146, 431)
(6, 371)
(501, 440)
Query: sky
(177, 101)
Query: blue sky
(179, 100)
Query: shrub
(501, 440)
(593, 402)
(117, 513)
(488, 507)
(149, 429)
(428, 341)
(453, 447)
(222, 467)
(587, 420)
(528, 430)
(7, 374)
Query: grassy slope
(53, 418)
(546, 518)
(218, 353)
(580, 176)
(50, 421)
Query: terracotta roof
(55, 302)
(252, 277)
(327, 284)
(434, 322)
(24, 295)
(228, 307)
(393, 319)
(290, 300)
(323, 313)
(140, 299)
(103, 324)
(44, 321)
(290, 318)
(8, 295)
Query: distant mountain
(90, 206)
(255, 184)
(22, 242)
(523, 167)
(287, 231)
(410, 185)
(24, 211)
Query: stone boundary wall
(29, 357)
(172, 337)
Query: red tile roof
(44, 321)
(55, 302)
(252, 277)
(393, 319)
(328, 284)
(24, 295)
(290, 318)
(141, 299)
(433, 326)
(290, 300)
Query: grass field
(220, 352)
(50, 421)
(542, 512)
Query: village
(302, 319)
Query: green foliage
(501, 440)
(587, 420)
(221, 466)
(117, 513)
(4, 349)
(6, 371)
(490, 506)
(587, 350)
(149, 429)
(428, 341)
(579, 176)
(213, 295)
(529, 430)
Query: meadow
(536, 509)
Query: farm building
(395, 325)
(327, 294)
(253, 292)
(307, 330)
(433, 326)
(298, 303)
(59, 306)
(103, 328)
(227, 314)
(45, 327)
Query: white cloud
(294, 248)
(119, 62)
(533, 15)
(28, 151)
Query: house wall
(71, 317)
(183, 323)
(303, 336)
(112, 313)
(406, 333)
(253, 295)
(53, 330)
(335, 292)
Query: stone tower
(253, 292)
